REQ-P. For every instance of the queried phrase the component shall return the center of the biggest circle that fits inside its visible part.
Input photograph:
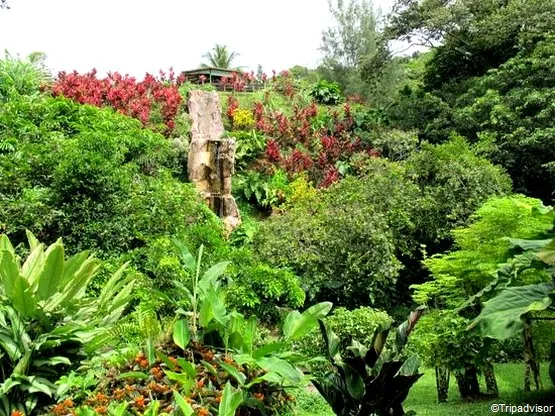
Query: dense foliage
(47, 323)
(406, 206)
(376, 181)
(332, 246)
(58, 180)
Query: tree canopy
(220, 57)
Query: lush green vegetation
(395, 211)
(423, 396)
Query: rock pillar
(211, 159)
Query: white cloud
(136, 36)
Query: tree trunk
(530, 361)
(467, 380)
(491, 382)
(442, 384)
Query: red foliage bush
(151, 100)
(273, 152)
(295, 144)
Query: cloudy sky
(136, 36)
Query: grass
(423, 399)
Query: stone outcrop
(211, 159)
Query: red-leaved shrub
(154, 101)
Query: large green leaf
(33, 266)
(185, 407)
(297, 325)
(9, 271)
(22, 298)
(353, 381)
(331, 340)
(187, 258)
(52, 272)
(547, 253)
(281, 367)
(12, 348)
(72, 265)
(212, 308)
(33, 241)
(113, 286)
(52, 361)
(528, 244)
(77, 285)
(231, 400)
(187, 367)
(7, 385)
(211, 276)
(248, 334)
(268, 349)
(501, 316)
(5, 244)
(410, 366)
(235, 373)
(183, 379)
(115, 296)
(544, 249)
(181, 334)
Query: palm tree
(219, 57)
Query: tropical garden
(397, 247)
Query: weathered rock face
(211, 159)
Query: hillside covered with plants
(397, 245)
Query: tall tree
(355, 54)
(468, 269)
(220, 57)
(472, 36)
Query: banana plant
(371, 380)
(47, 321)
(204, 296)
(280, 365)
(503, 315)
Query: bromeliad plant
(47, 321)
(371, 380)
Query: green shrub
(261, 290)
(454, 182)
(395, 144)
(441, 339)
(343, 241)
(386, 186)
(187, 87)
(326, 92)
(357, 324)
(267, 191)
(20, 77)
(343, 253)
(97, 178)
(250, 145)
